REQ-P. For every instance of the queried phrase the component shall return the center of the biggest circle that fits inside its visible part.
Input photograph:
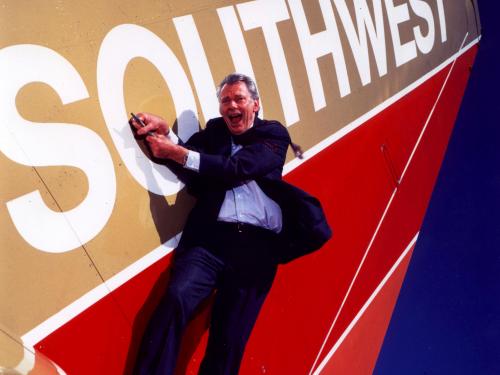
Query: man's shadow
(169, 219)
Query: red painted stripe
(354, 180)
(408, 209)
(359, 351)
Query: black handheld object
(140, 122)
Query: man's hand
(162, 147)
(160, 144)
(154, 124)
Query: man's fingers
(134, 123)
(150, 123)
(145, 129)
(143, 126)
(160, 146)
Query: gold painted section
(16, 359)
(34, 284)
(37, 284)
(11, 352)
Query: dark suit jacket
(261, 159)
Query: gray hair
(238, 77)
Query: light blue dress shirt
(246, 203)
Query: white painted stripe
(198, 65)
(366, 305)
(431, 113)
(41, 331)
(238, 47)
(25, 365)
(44, 329)
(385, 211)
(341, 308)
(290, 166)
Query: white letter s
(53, 144)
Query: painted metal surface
(369, 89)
(446, 318)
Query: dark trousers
(237, 263)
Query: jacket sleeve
(188, 177)
(264, 154)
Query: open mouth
(235, 118)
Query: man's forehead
(237, 88)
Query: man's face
(237, 107)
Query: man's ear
(256, 105)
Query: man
(237, 232)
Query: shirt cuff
(193, 161)
(173, 137)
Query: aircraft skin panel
(32, 363)
(293, 297)
(371, 98)
(401, 223)
(357, 350)
(46, 274)
(406, 213)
